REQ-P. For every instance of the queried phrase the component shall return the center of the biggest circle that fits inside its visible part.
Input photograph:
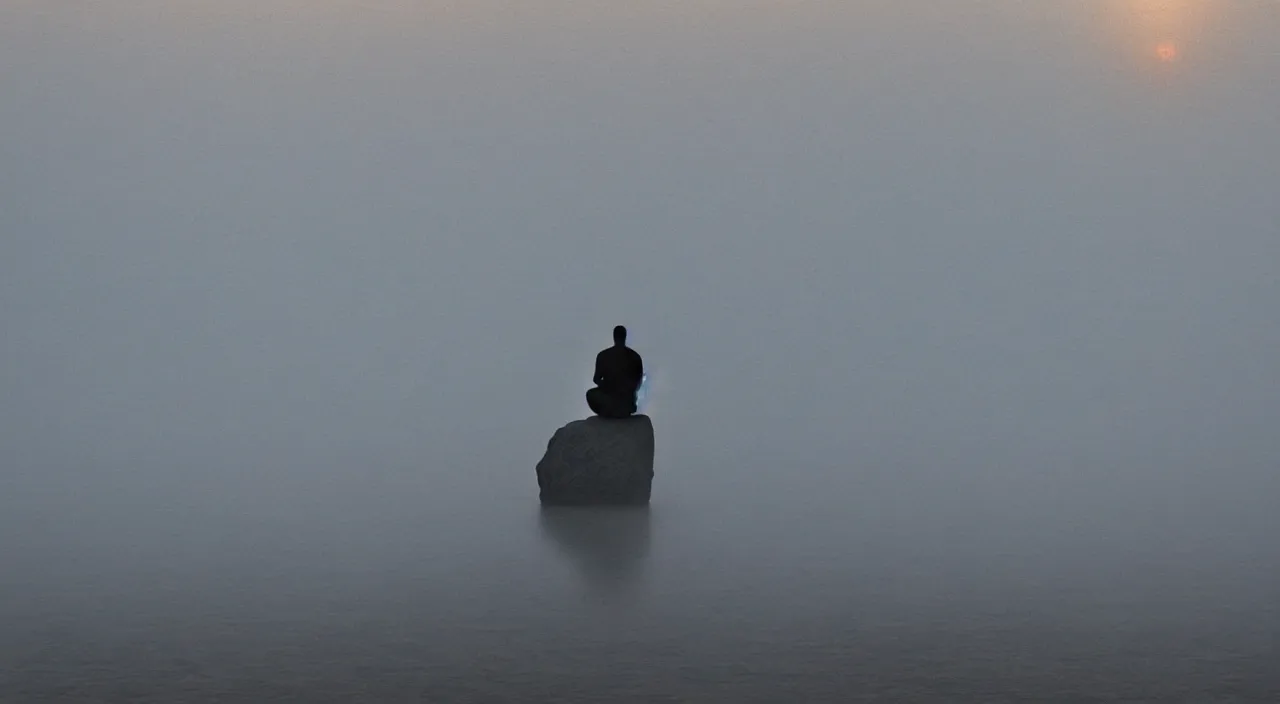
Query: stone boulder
(598, 461)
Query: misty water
(962, 323)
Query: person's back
(618, 374)
(619, 370)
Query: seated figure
(619, 371)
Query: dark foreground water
(808, 584)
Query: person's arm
(598, 376)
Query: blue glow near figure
(642, 392)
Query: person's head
(619, 335)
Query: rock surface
(598, 461)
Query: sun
(1167, 52)
(1161, 32)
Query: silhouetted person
(619, 371)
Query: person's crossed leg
(607, 406)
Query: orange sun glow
(1160, 31)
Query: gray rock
(598, 461)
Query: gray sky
(340, 233)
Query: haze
(961, 318)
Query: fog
(968, 299)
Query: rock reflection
(609, 545)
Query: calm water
(962, 325)
(825, 587)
